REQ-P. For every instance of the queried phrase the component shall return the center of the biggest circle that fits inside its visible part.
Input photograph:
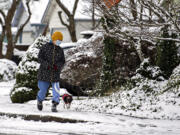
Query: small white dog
(67, 98)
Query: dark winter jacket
(51, 59)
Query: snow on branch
(136, 20)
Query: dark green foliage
(151, 72)
(107, 76)
(110, 23)
(27, 80)
(23, 96)
(1, 77)
(167, 58)
(108, 65)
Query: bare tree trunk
(93, 15)
(10, 46)
(71, 26)
(141, 15)
(1, 41)
(72, 29)
(3, 33)
(150, 13)
(9, 35)
(6, 29)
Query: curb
(41, 118)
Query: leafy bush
(26, 88)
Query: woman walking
(51, 59)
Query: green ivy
(107, 76)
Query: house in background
(83, 21)
(35, 26)
(45, 16)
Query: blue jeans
(43, 87)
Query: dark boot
(54, 105)
(39, 105)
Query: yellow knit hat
(57, 36)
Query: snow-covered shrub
(22, 94)
(146, 100)
(146, 78)
(149, 71)
(143, 97)
(136, 102)
(7, 70)
(26, 88)
(174, 81)
(142, 88)
(142, 83)
(83, 62)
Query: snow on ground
(98, 123)
(123, 126)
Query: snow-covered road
(98, 124)
(109, 125)
(117, 125)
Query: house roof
(39, 9)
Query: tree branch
(3, 31)
(168, 39)
(63, 7)
(22, 26)
(150, 17)
(12, 10)
(62, 21)
(134, 9)
(75, 7)
(3, 14)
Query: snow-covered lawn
(97, 123)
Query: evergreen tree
(25, 88)
(167, 58)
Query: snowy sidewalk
(76, 122)
(29, 110)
